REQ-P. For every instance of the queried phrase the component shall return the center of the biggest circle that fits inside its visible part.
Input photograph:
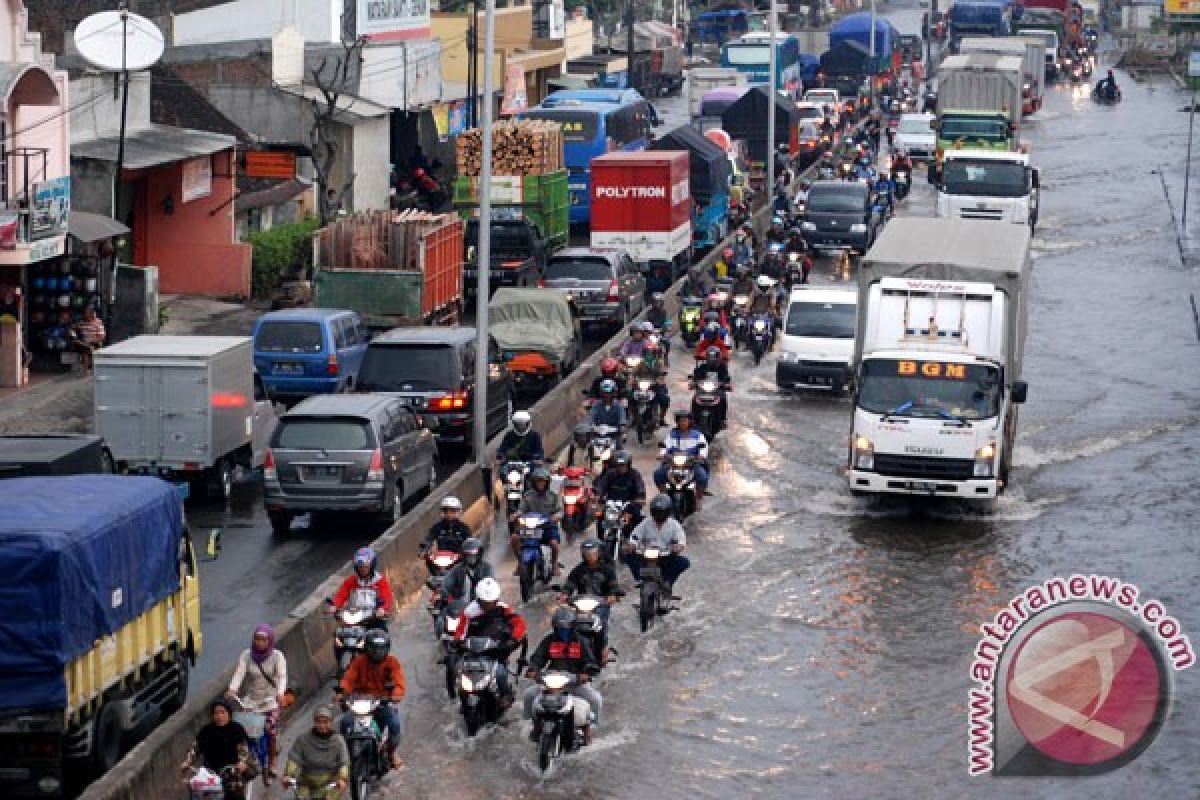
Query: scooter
(440, 562)
(737, 319)
(614, 529)
(902, 177)
(367, 743)
(761, 336)
(447, 616)
(576, 493)
(1109, 97)
(513, 475)
(705, 403)
(601, 448)
(643, 409)
(554, 727)
(478, 683)
(352, 628)
(655, 593)
(533, 569)
(681, 484)
(690, 312)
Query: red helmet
(418, 173)
(727, 253)
(608, 366)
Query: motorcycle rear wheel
(648, 610)
(360, 779)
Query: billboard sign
(391, 20)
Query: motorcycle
(643, 409)
(352, 629)
(761, 336)
(576, 493)
(706, 401)
(533, 568)
(588, 622)
(690, 312)
(681, 484)
(656, 596)
(600, 450)
(447, 616)
(1109, 97)
(513, 476)
(440, 562)
(902, 177)
(554, 727)
(795, 269)
(208, 785)
(737, 319)
(367, 743)
(1076, 71)
(614, 529)
(659, 346)
(478, 683)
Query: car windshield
(747, 54)
(584, 269)
(821, 320)
(917, 126)
(323, 433)
(989, 178)
(903, 388)
(408, 368)
(835, 202)
(289, 337)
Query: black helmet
(376, 645)
(581, 434)
(713, 354)
(589, 546)
(539, 473)
(471, 549)
(622, 458)
(563, 619)
(657, 298)
(661, 507)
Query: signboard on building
(383, 20)
(558, 20)
(1181, 7)
(515, 99)
(264, 164)
(197, 178)
(51, 207)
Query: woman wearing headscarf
(259, 684)
(319, 761)
(221, 748)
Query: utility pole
(772, 82)
(1187, 168)
(871, 69)
(629, 45)
(473, 66)
(483, 253)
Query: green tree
(283, 251)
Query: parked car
(433, 371)
(305, 351)
(356, 452)
(607, 286)
(839, 215)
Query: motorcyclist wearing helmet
(683, 438)
(1107, 87)
(885, 192)
(776, 232)
(657, 315)
(366, 576)
(319, 762)
(782, 203)
(377, 673)
(449, 532)
(592, 575)
(723, 265)
(763, 298)
(743, 284)
(521, 442)
(464, 577)
(564, 650)
(713, 337)
(623, 482)
(698, 282)
(608, 410)
(577, 450)
(539, 498)
(488, 616)
(743, 245)
(651, 368)
(714, 368)
(610, 369)
(635, 345)
(901, 161)
(663, 531)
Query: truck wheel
(281, 522)
(218, 483)
(106, 738)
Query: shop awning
(88, 227)
(155, 145)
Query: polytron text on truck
(941, 331)
(99, 624)
(641, 204)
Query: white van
(818, 339)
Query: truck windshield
(904, 388)
(747, 54)
(821, 320)
(408, 368)
(324, 433)
(509, 239)
(835, 202)
(988, 178)
(289, 337)
(992, 130)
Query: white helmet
(522, 422)
(451, 503)
(488, 591)
(764, 282)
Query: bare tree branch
(323, 132)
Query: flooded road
(824, 642)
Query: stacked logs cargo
(519, 147)
(378, 239)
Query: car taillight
(614, 291)
(332, 365)
(454, 401)
(269, 472)
(375, 470)
(541, 283)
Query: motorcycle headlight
(353, 617)
(679, 460)
(864, 453)
(858, 227)
(586, 604)
(793, 257)
(360, 708)
(985, 459)
(467, 684)
(759, 325)
(644, 385)
(708, 386)
(556, 681)
(808, 226)
(514, 477)
(741, 300)
(723, 296)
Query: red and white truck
(642, 204)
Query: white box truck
(989, 185)
(1030, 50)
(186, 408)
(941, 332)
(702, 79)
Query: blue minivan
(306, 351)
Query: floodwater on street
(823, 645)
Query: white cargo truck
(1030, 50)
(989, 185)
(941, 333)
(186, 408)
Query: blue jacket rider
(683, 438)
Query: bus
(751, 54)
(595, 122)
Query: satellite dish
(119, 40)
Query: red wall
(194, 247)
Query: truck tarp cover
(531, 320)
(857, 28)
(80, 557)
(846, 58)
(747, 118)
(709, 166)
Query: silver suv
(348, 452)
(606, 285)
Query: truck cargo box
(81, 557)
(542, 199)
(642, 204)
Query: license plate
(922, 486)
(288, 369)
(323, 472)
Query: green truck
(529, 223)
(979, 105)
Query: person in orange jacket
(377, 673)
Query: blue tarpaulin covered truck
(857, 28)
(99, 623)
(709, 182)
